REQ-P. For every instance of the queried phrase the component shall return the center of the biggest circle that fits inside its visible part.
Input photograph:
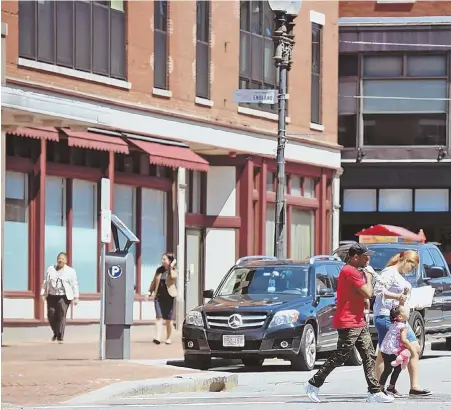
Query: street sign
(115, 272)
(255, 96)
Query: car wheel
(448, 343)
(252, 361)
(306, 358)
(417, 324)
(197, 362)
(354, 358)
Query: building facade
(141, 93)
(394, 116)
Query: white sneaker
(379, 397)
(312, 392)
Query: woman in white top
(60, 289)
(393, 289)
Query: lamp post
(284, 14)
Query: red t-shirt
(350, 302)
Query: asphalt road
(275, 387)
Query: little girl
(394, 341)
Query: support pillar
(336, 210)
(181, 211)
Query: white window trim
(69, 72)
(316, 127)
(317, 18)
(260, 114)
(159, 92)
(204, 102)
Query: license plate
(233, 340)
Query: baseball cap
(359, 249)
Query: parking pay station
(118, 277)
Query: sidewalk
(43, 372)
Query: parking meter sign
(115, 272)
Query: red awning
(100, 142)
(171, 156)
(390, 230)
(46, 133)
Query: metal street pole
(283, 41)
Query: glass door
(193, 269)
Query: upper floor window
(203, 49)
(160, 71)
(257, 70)
(83, 35)
(315, 93)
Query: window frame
(316, 74)
(33, 53)
(164, 34)
(203, 38)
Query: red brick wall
(225, 65)
(417, 9)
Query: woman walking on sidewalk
(60, 289)
(353, 288)
(163, 291)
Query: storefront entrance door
(193, 270)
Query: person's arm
(382, 286)
(405, 341)
(172, 270)
(357, 280)
(367, 306)
(75, 287)
(44, 285)
(152, 285)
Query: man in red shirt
(353, 288)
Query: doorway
(194, 243)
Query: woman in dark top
(163, 291)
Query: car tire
(252, 361)
(354, 358)
(416, 322)
(448, 343)
(306, 358)
(197, 362)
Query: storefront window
(16, 232)
(302, 237)
(154, 234)
(125, 210)
(84, 234)
(270, 229)
(55, 219)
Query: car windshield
(267, 280)
(382, 255)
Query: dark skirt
(164, 308)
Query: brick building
(395, 57)
(141, 92)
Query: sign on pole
(255, 96)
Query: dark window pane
(257, 57)
(83, 36)
(65, 33)
(315, 113)
(203, 20)
(117, 44)
(316, 48)
(347, 130)
(347, 91)
(160, 15)
(268, 20)
(101, 43)
(256, 16)
(268, 63)
(348, 65)
(245, 52)
(202, 70)
(244, 15)
(27, 29)
(382, 66)
(46, 31)
(160, 60)
(426, 66)
(404, 129)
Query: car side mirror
(208, 294)
(435, 272)
(326, 293)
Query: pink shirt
(392, 340)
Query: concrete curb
(185, 383)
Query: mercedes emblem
(235, 321)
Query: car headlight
(194, 318)
(284, 317)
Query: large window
(315, 93)
(160, 71)
(55, 219)
(404, 100)
(194, 192)
(84, 234)
(154, 233)
(15, 276)
(203, 49)
(257, 70)
(302, 234)
(83, 35)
